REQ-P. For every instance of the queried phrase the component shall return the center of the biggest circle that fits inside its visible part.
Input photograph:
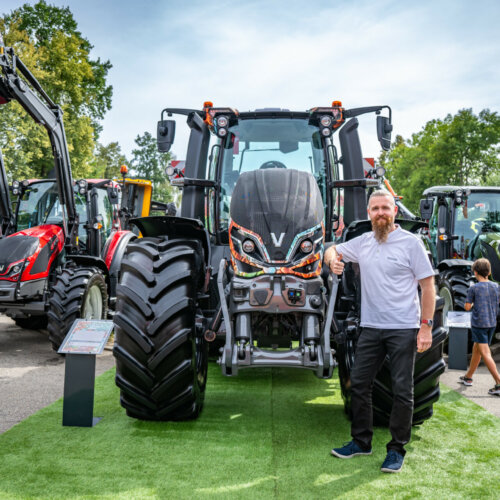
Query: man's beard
(382, 226)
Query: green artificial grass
(265, 434)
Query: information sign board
(86, 337)
(458, 319)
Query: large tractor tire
(161, 356)
(429, 365)
(32, 323)
(452, 287)
(79, 292)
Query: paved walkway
(483, 381)
(31, 373)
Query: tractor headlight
(248, 246)
(306, 246)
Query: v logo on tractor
(277, 243)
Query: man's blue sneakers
(350, 450)
(393, 462)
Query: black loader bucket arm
(30, 95)
(6, 214)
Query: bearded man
(393, 263)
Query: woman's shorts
(482, 335)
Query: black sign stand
(84, 341)
(457, 348)
(79, 379)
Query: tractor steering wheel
(272, 164)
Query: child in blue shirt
(483, 299)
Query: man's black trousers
(372, 347)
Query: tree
(150, 164)
(46, 38)
(460, 150)
(108, 160)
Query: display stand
(459, 324)
(84, 341)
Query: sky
(425, 59)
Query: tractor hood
(277, 205)
(30, 251)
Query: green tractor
(264, 192)
(464, 225)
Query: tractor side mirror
(165, 134)
(171, 209)
(113, 195)
(426, 208)
(384, 129)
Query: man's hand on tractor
(334, 261)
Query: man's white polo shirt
(389, 277)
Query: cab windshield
(479, 213)
(39, 205)
(287, 143)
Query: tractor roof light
(380, 171)
(15, 184)
(222, 121)
(326, 131)
(325, 121)
(123, 170)
(82, 186)
(169, 170)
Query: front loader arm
(6, 214)
(30, 95)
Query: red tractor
(61, 248)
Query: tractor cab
(96, 201)
(460, 218)
(277, 140)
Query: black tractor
(243, 261)
(464, 225)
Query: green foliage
(46, 39)
(149, 163)
(108, 160)
(462, 149)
